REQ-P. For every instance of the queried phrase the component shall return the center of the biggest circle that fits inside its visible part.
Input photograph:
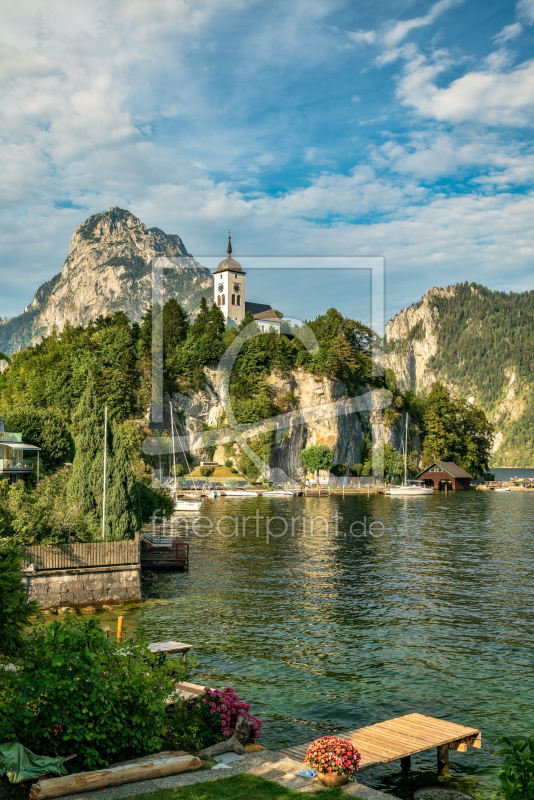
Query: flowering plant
(332, 755)
(226, 703)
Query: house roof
(449, 467)
(18, 445)
(267, 315)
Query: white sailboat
(182, 503)
(408, 489)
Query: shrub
(207, 472)
(45, 515)
(192, 727)
(14, 610)
(517, 772)
(79, 692)
(332, 755)
(228, 463)
(226, 705)
(339, 470)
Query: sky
(401, 128)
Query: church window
(219, 300)
(223, 299)
(233, 299)
(238, 299)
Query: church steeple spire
(229, 248)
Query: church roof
(229, 264)
(256, 308)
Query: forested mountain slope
(108, 269)
(480, 343)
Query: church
(229, 294)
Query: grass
(239, 787)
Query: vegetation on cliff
(57, 389)
(485, 346)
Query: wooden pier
(164, 553)
(401, 738)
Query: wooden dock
(401, 738)
(170, 554)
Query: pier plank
(400, 738)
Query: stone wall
(90, 586)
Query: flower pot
(333, 779)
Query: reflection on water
(331, 632)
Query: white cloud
(399, 31)
(509, 33)
(492, 98)
(525, 10)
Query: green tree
(316, 457)
(175, 326)
(455, 430)
(87, 482)
(15, 612)
(123, 510)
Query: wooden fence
(77, 555)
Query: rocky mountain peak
(108, 269)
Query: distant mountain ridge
(480, 343)
(108, 269)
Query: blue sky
(321, 127)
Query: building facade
(13, 462)
(445, 475)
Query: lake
(430, 612)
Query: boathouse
(444, 475)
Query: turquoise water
(331, 632)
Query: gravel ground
(267, 764)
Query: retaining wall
(88, 586)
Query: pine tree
(86, 481)
(123, 509)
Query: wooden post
(406, 763)
(443, 759)
(119, 628)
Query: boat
(181, 503)
(278, 493)
(408, 489)
(239, 493)
(503, 489)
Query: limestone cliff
(108, 269)
(479, 343)
(325, 415)
(412, 342)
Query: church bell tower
(229, 288)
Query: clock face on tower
(237, 287)
(220, 287)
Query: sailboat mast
(173, 449)
(406, 452)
